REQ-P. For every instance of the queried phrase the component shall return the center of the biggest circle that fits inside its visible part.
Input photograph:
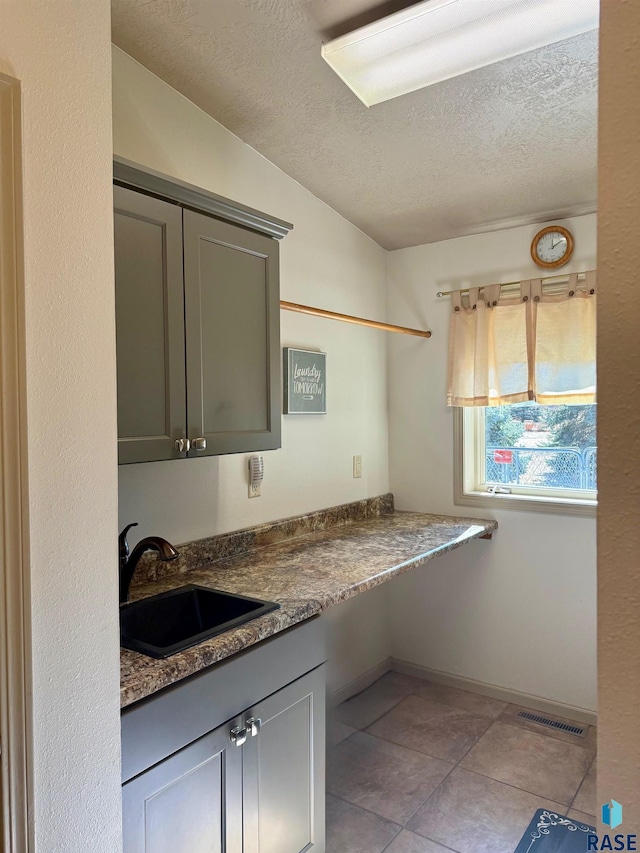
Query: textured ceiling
(508, 144)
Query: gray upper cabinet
(197, 321)
(149, 326)
(232, 312)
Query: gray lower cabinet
(197, 330)
(252, 785)
(283, 771)
(190, 802)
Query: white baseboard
(558, 709)
(358, 684)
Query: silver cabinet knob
(199, 444)
(253, 725)
(182, 445)
(238, 735)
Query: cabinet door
(190, 802)
(284, 770)
(232, 309)
(149, 327)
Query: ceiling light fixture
(434, 40)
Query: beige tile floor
(415, 767)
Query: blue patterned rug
(552, 833)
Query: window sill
(528, 503)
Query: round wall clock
(552, 247)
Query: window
(527, 456)
(510, 346)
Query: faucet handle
(123, 545)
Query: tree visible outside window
(549, 447)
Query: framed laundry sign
(304, 382)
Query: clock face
(552, 247)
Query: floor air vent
(578, 731)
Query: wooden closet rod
(348, 318)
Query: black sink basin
(164, 624)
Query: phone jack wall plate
(256, 475)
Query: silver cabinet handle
(238, 735)
(199, 444)
(182, 445)
(253, 724)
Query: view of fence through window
(549, 447)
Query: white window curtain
(519, 347)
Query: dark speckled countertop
(305, 574)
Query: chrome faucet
(129, 561)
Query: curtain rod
(348, 318)
(555, 279)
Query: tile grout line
(506, 720)
(395, 705)
(473, 745)
(486, 776)
(502, 717)
(399, 745)
(430, 795)
(513, 787)
(417, 752)
(440, 783)
(491, 721)
(593, 761)
(457, 764)
(454, 767)
(559, 740)
(454, 764)
(417, 695)
(444, 846)
(387, 846)
(368, 811)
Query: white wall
(326, 262)
(358, 637)
(519, 611)
(61, 54)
